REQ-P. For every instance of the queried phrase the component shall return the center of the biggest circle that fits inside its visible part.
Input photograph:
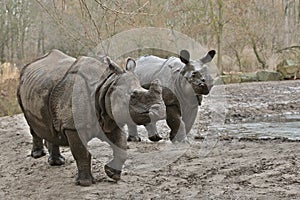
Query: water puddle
(285, 126)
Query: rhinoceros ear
(113, 66)
(208, 57)
(130, 64)
(184, 56)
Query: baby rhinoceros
(184, 81)
(68, 101)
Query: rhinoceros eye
(134, 94)
(194, 74)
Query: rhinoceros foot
(180, 141)
(134, 138)
(112, 173)
(38, 152)
(84, 179)
(155, 138)
(56, 160)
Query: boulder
(289, 69)
(227, 79)
(268, 75)
(248, 77)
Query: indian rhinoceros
(184, 82)
(68, 101)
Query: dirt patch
(230, 169)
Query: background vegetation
(248, 34)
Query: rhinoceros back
(150, 68)
(36, 83)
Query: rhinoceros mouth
(140, 118)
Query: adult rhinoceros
(68, 101)
(184, 82)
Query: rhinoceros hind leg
(117, 141)
(134, 138)
(153, 133)
(155, 138)
(82, 157)
(38, 147)
(133, 134)
(56, 161)
(37, 153)
(55, 157)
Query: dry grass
(8, 99)
(8, 88)
(8, 71)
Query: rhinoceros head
(132, 104)
(196, 72)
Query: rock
(235, 78)
(268, 75)
(227, 79)
(289, 69)
(249, 77)
(218, 81)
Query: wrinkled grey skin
(184, 82)
(59, 95)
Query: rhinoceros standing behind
(68, 101)
(184, 82)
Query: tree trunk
(41, 39)
(219, 36)
(217, 24)
(286, 21)
(258, 57)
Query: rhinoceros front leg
(83, 159)
(133, 135)
(117, 140)
(153, 133)
(38, 146)
(176, 124)
(189, 117)
(55, 157)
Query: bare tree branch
(136, 12)
(83, 3)
(288, 48)
(59, 22)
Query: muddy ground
(213, 166)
